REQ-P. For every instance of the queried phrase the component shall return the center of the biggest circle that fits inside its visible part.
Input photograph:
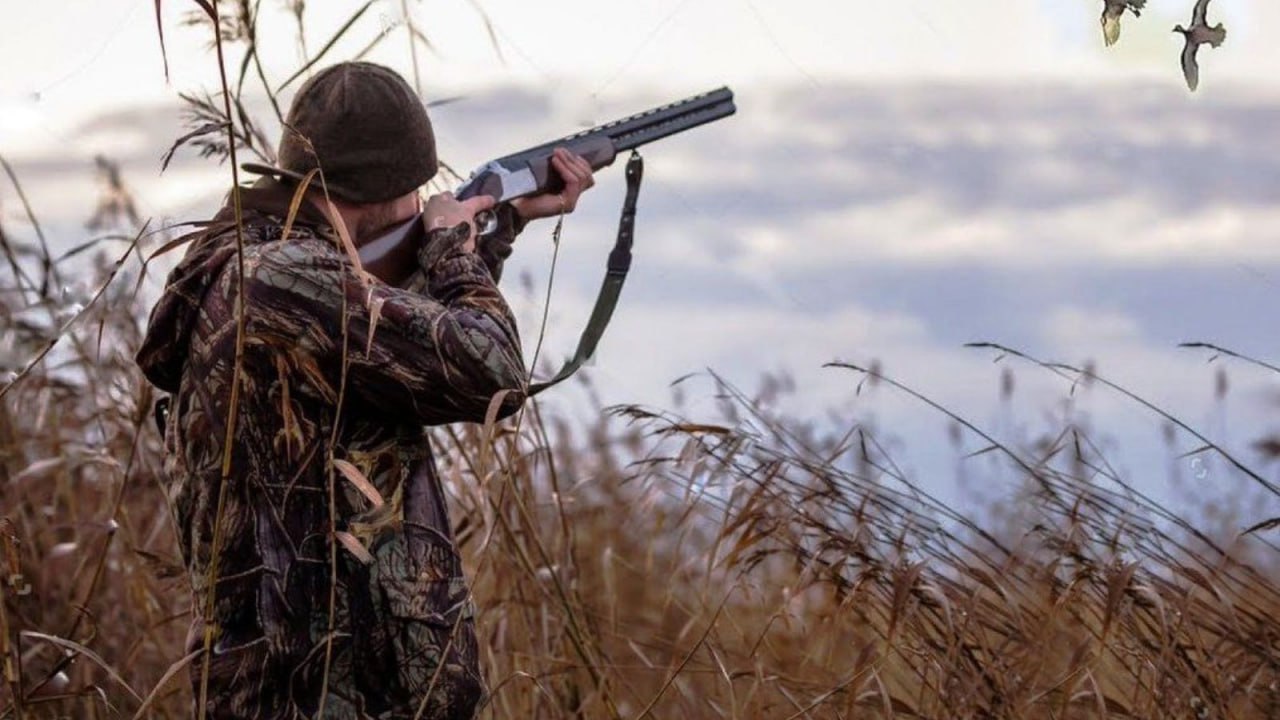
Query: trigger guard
(486, 222)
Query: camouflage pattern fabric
(333, 369)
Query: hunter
(334, 368)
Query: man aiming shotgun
(314, 529)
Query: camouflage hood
(164, 349)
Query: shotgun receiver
(529, 172)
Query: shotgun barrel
(529, 172)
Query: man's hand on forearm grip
(578, 178)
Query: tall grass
(642, 563)
(739, 566)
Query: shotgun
(391, 256)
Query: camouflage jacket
(332, 370)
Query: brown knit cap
(369, 131)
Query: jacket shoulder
(305, 248)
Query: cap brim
(260, 169)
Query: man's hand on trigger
(445, 211)
(578, 178)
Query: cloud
(1068, 328)
(1008, 175)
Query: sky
(901, 179)
(107, 51)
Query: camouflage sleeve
(432, 359)
(494, 248)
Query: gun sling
(614, 277)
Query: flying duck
(1198, 34)
(1112, 10)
